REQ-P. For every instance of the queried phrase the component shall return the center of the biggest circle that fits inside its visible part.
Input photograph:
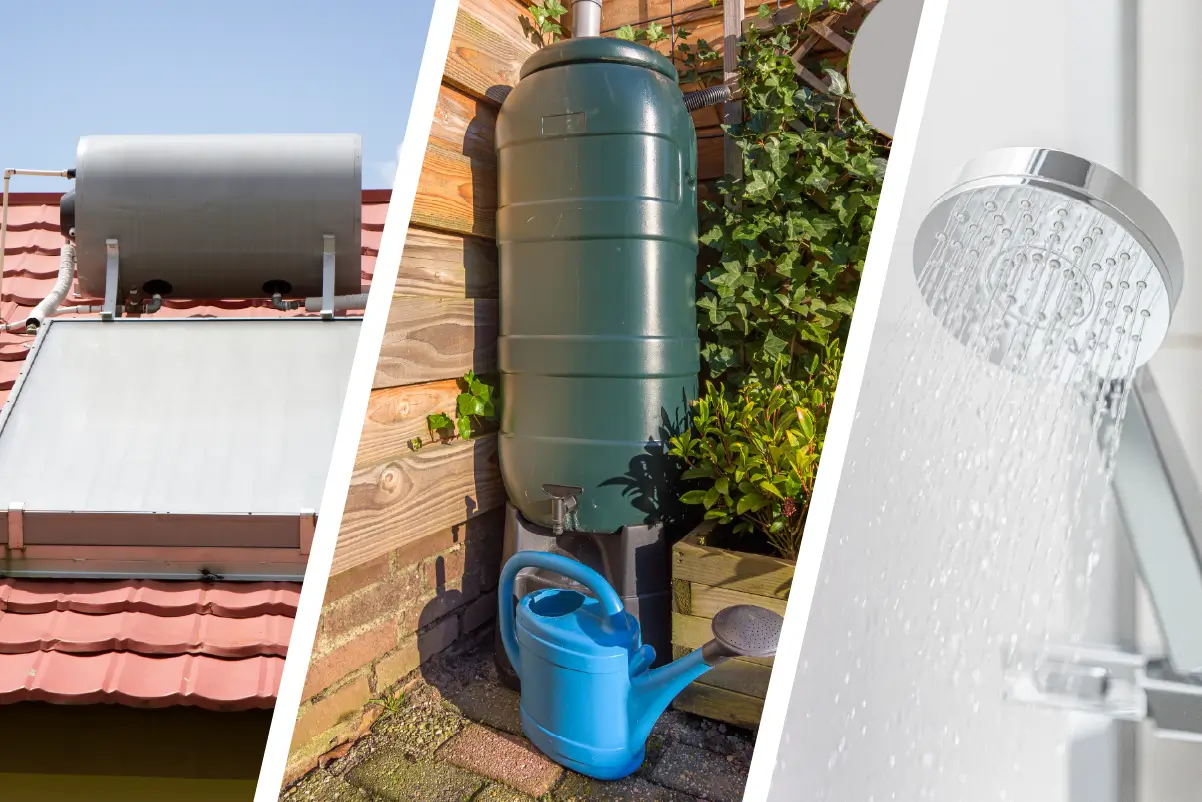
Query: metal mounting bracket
(327, 278)
(16, 526)
(112, 277)
(1108, 682)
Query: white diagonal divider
(354, 408)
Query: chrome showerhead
(1042, 261)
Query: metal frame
(111, 309)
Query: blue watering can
(589, 697)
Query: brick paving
(456, 737)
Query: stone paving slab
(700, 773)
(321, 786)
(501, 757)
(491, 705)
(576, 788)
(389, 775)
(499, 793)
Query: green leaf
(439, 421)
(465, 428)
(626, 32)
(693, 497)
(751, 503)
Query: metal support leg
(327, 278)
(112, 278)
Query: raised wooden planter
(706, 579)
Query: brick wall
(383, 619)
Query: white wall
(1168, 154)
(1052, 73)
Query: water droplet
(1030, 232)
(997, 218)
(1107, 285)
(1141, 284)
(1124, 285)
(1110, 262)
(1087, 242)
(1097, 266)
(961, 217)
(1146, 313)
(1026, 204)
(990, 206)
(1006, 233)
(1123, 257)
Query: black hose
(702, 98)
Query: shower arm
(1160, 503)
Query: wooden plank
(488, 45)
(732, 111)
(465, 125)
(456, 193)
(616, 13)
(444, 265)
(718, 703)
(692, 632)
(750, 573)
(706, 601)
(682, 597)
(429, 339)
(710, 155)
(396, 415)
(399, 501)
(741, 676)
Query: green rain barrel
(597, 239)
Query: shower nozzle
(1040, 257)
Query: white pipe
(342, 303)
(8, 174)
(50, 304)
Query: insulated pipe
(586, 18)
(8, 174)
(342, 303)
(49, 305)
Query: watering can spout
(739, 631)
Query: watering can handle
(564, 566)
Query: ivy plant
(754, 456)
(690, 59)
(785, 244)
(547, 14)
(473, 406)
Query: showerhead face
(1045, 263)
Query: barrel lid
(598, 49)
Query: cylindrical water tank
(224, 216)
(597, 237)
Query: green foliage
(391, 705)
(473, 406)
(755, 455)
(547, 14)
(787, 242)
(690, 59)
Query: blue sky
(78, 67)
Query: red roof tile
(219, 646)
(31, 251)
